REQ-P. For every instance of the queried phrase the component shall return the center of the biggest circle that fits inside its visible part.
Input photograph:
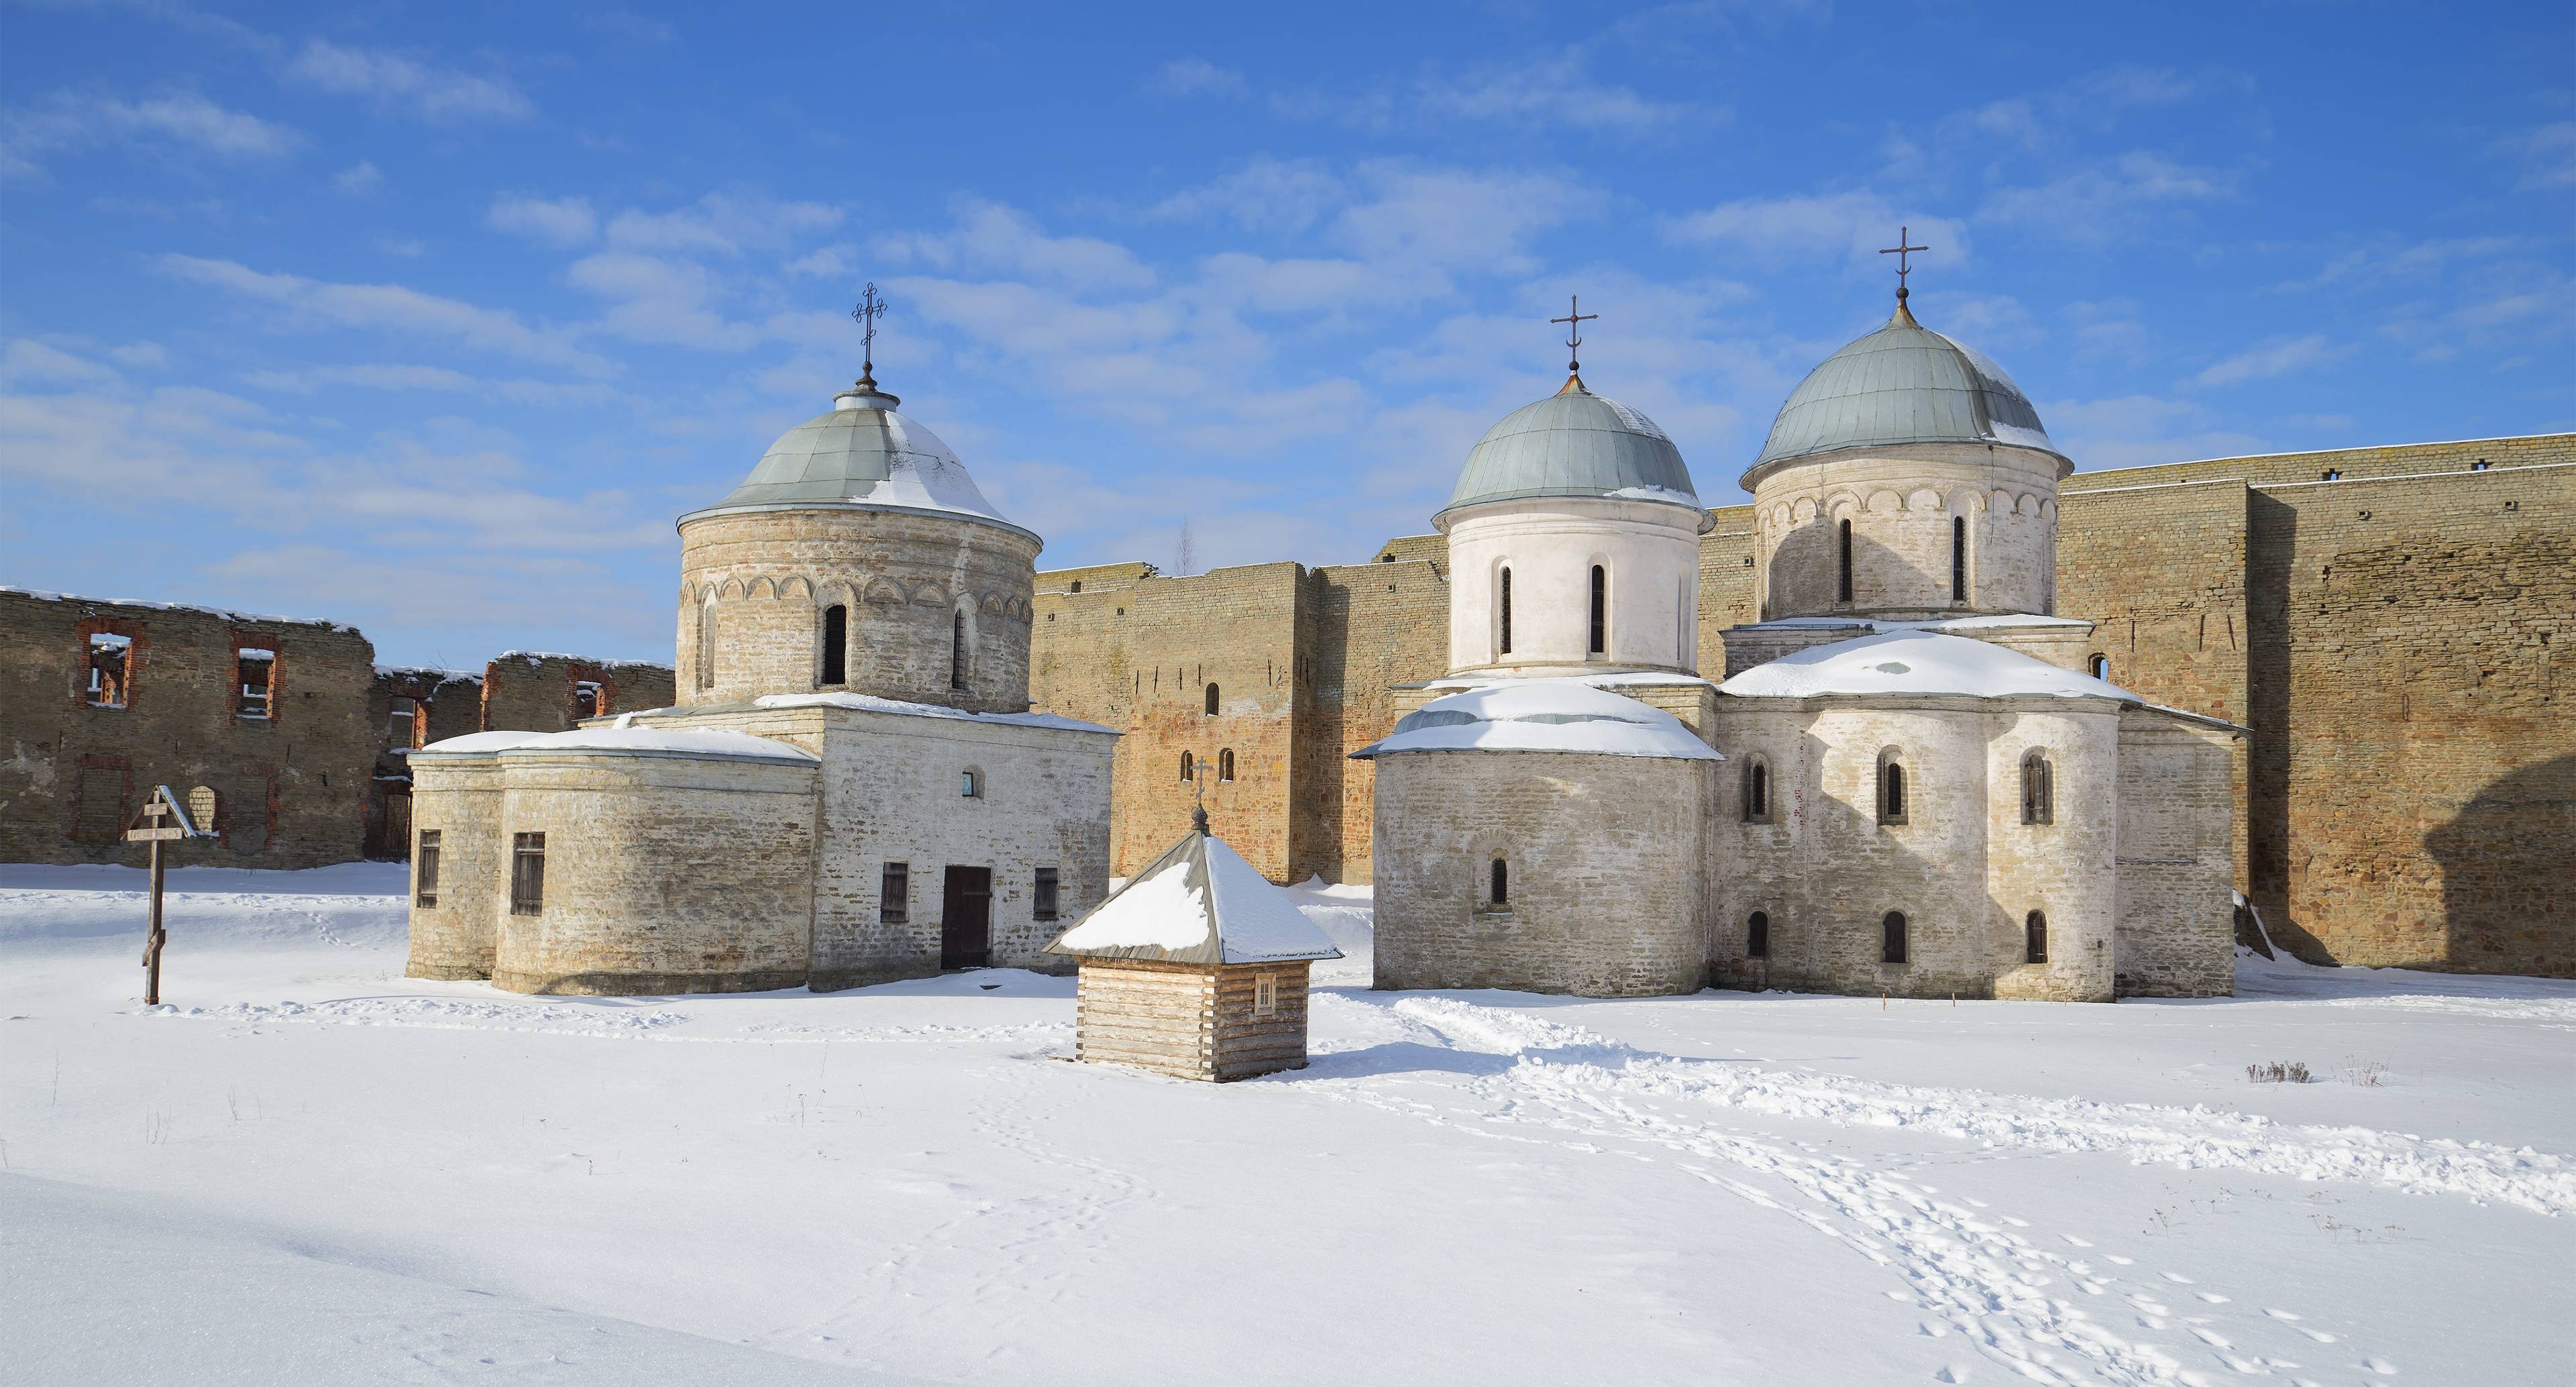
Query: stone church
(1907, 784)
(850, 789)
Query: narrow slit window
(1499, 884)
(2038, 788)
(1265, 994)
(255, 678)
(589, 699)
(1845, 587)
(2034, 930)
(1757, 790)
(1600, 610)
(970, 784)
(527, 873)
(836, 644)
(402, 720)
(1891, 788)
(1042, 901)
(1189, 767)
(1891, 937)
(1958, 558)
(1225, 764)
(707, 643)
(894, 894)
(1506, 641)
(1211, 700)
(111, 669)
(957, 651)
(424, 860)
(1757, 936)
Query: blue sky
(432, 317)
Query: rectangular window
(111, 665)
(404, 717)
(1044, 909)
(894, 894)
(255, 676)
(1265, 994)
(425, 869)
(589, 700)
(527, 873)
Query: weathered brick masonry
(2394, 636)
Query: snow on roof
(432, 671)
(541, 656)
(2001, 622)
(1626, 678)
(654, 741)
(1543, 715)
(868, 703)
(257, 618)
(1198, 903)
(475, 744)
(1917, 662)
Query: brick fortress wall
(2393, 637)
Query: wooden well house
(1196, 967)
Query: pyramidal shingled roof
(1200, 902)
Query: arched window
(1505, 643)
(2034, 930)
(1757, 936)
(1891, 938)
(1958, 558)
(1600, 610)
(2038, 788)
(1211, 700)
(836, 644)
(1846, 586)
(1757, 790)
(2099, 666)
(707, 642)
(1189, 767)
(1225, 764)
(1499, 884)
(1891, 787)
(957, 651)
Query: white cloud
(386, 307)
(2276, 357)
(992, 238)
(563, 221)
(2141, 431)
(1198, 77)
(25, 360)
(146, 355)
(829, 262)
(359, 179)
(1849, 226)
(659, 299)
(372, 377)
(67, 122)
(437, 93)
(1557, 92)
(2100, 203)
(1461, 219)
(721, 223)
(2550, 152)
(1266, 195)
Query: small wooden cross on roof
(1574, 320)
(869, 309)
(1900, 250)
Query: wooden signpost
(164, 820)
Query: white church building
(1905, 785)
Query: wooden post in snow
(163, 821)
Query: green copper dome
(1903, 383)
(1574, 443)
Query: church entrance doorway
(966, 918)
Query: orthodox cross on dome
(869, 309)
(1574, 320)
(1901, 250)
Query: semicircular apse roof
(861, 454)
(1903, 383)
(1574, 443)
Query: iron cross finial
(869, 309)
(1901, 250)
(1574, 320)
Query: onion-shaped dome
(1575, 443)
(861, 455)
(1903, 384)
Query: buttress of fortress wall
(2160, 571)
(1727, 594)
(1139, 652)
(1377, 626)
(2414, 791)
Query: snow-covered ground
(308, 1168)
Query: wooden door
(966, 918)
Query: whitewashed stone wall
(1962, 867)
(1607, 857)
(1901, 502)
(1651, 556)
(663, 873)
(2177, 929)
(459, 797)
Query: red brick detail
(127, 627)
(257, 640)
